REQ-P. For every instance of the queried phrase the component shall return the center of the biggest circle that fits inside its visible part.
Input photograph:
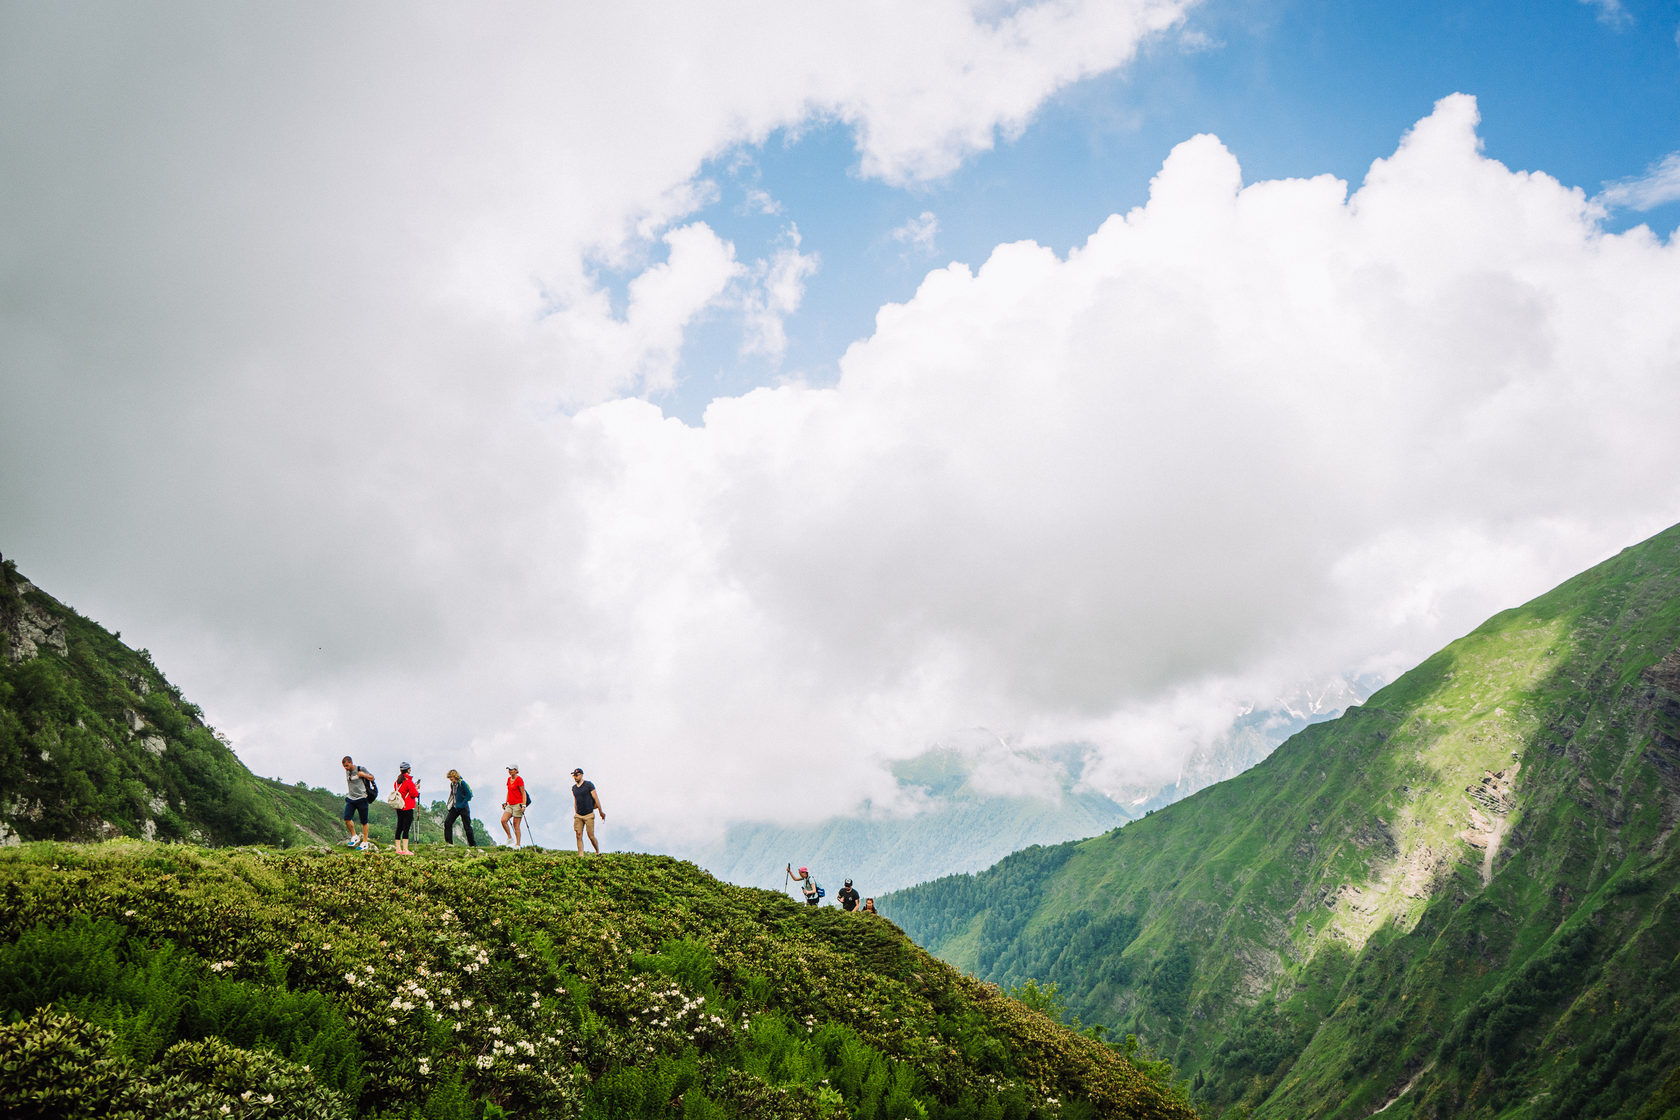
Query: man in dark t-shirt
(848, 896)
(585, 804)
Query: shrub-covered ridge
(522, 983)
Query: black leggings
(405, 821)
(465, 817)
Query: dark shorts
(356, 807)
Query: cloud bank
(311, 380)
(1244, 435)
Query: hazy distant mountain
(1459, 899)
(966, 826)
(1253, 735)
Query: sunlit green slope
(151, 979)
(96, 743)
(1459, 899)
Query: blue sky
(1584, 92)
(383, 369)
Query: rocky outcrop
(29, 629)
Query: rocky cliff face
(25, 627)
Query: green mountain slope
(149, 979)
(1460, 899)
(96, 743)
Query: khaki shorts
(580, 823)
(515, 811)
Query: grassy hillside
(1460, 899)
(96, 743)
(140, 978)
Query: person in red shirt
(513, 809)
(410, 791)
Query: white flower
(485, 1061)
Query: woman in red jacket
(410, 791)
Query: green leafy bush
(528, 984)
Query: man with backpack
(360, 789)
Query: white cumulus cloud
(1246, 434)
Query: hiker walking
(807, 885)
(869, 906)
(586, 802)
(359, 791)
(410, 791)
(460, 809)
(513, 809)
(848, 896)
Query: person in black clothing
(848, 896)
(586, 802)
(869, 906)
(460, 809)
